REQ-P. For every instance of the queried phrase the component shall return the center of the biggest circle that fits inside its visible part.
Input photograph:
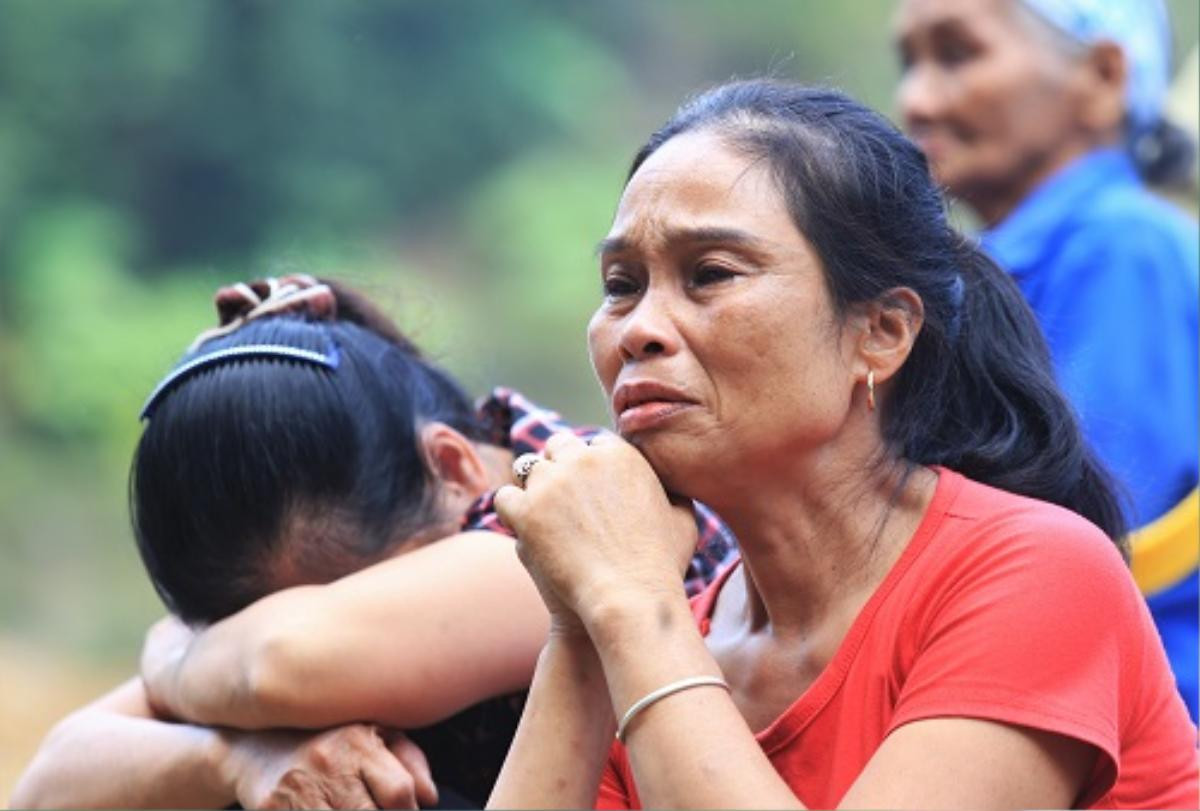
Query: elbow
(273, 691)
(36, 790)
(40, 785)
(30, 791)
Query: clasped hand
(351, 766)
(594, 525)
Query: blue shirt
(1113, 275)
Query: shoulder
(474, 544)
(1134, 203)
(1127, 224)
(1024, 613)
(1003, 539)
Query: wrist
(159, 699)
(573, 644)
(568, 628)
(224, 759)
(636, 616)
(573, 660)
(647, 642)
(160, 683)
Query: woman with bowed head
(313, 497)
(932, 607)
(1046, 118)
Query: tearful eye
(711, 274)
(619, 287)
(953, 52)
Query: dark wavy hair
(977, 393)
(257, 473)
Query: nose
(649, 329)
(918, 96)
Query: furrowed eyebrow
(731, 236)
(611, 245)
(675, 236)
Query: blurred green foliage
(458, 160)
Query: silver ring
(523, 465)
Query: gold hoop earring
(870, 390)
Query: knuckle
(349, 792)
(320, 756)
(280, 797)
(503, 497)
(357, 736)
(292, 779)
(508, 503)
(405, 794)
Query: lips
(641, 404)
(937, 141)
(931, 141)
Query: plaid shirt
(516, 423)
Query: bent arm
(694, 748)
(114, 754)
(559, 750)
(406, 643)
(972, 763)
(691, 748)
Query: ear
(1102, 77)
(455, 461)
(888, 328)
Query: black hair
(255, 473)
(1164, 153)
(977, 393)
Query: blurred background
(458, 161)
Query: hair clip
(178, 375)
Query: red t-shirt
(1001, 608)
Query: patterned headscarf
(1140, 27)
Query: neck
(816, 542)
(995, 202)
(497, 462)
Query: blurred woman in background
(1046, 118)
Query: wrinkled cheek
(603, 351)
(769, 347)
(966, 163)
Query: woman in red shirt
(793, 333)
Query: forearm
(102, 757)
(461, 620)
(563, 740)
(691, 748)
(214, 678)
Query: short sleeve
(1029, 631)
